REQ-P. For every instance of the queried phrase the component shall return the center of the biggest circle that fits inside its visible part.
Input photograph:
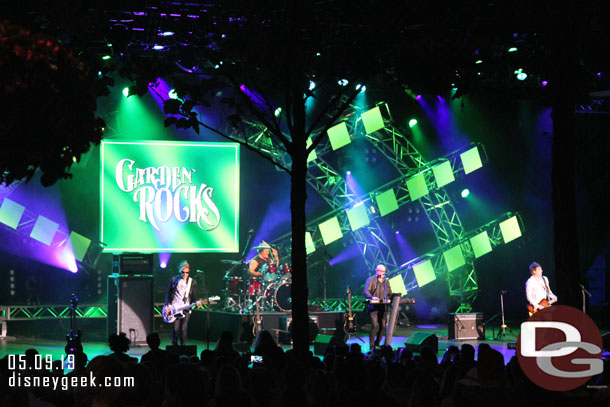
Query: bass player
(537, 290)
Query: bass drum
(283, 297)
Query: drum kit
(271, 290)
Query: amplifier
(466, 326)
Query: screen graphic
(164, 196)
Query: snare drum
(270, 272)
(255, 286)
(286, 270)
(233, 285)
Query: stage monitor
(166, 196)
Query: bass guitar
(176, 312)
(544, 303)
(350, 326)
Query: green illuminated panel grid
(454, 258)
(338, 136)
(372, 120)
(386, 201)
(11, 213)
(480, 244)
(443, 174)
(417, 187)
(510, 229)
(44, 230)
(309, 246)
(471, 160)
(357, 217)
(424, 273)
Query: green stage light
(522, 76)
(126, 91)
(11, 213)
(386, 201)
(330, 230)
(465, 193)
(417, 187)
(357, 216)
(480, 244)
(510, 229)
(313, 155)
(338, 136)
(424, 273)
(312, 85)
(397, 284)
(512, 49)
(278, 112)
(372, 120)
(173, 94)
(106, 57)
(412, 122)
(342, 82)
(443, 174)
(471, 160)
(79, 245)
(309, 246)
(454, 258)
(44, 230)
(479, 61)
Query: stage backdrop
(165, 196)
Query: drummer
(265, 257)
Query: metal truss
(340, 304)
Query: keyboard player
(378, 291)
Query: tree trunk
(564, 85)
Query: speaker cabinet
(130, 307)
(285, 336)
(419, 339)
(466, 326)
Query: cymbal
(232, 262)
(262, 246)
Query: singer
(378, 291)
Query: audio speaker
(179, 350)
(419, 339)
(466, 326)
(321, 343)
(285, 336)
(130, 307)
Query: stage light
(471, 160)
(424, 273)
(44, 230)
(454, 258)
(465, 193)
(417, 187)
(11, 213)
(480, 244)
(418, 97)
(277, 112)
(372, 120)
(512, 49)
(163, 265)
(510, 229)
(360, 87)
(357, 216)
(544, 83)
(172, 94)
(338, 135)
(167, 33)
(348, 173)
(343, 82)
(106, 57)
(158, 47)
(312, 85)
(79, 245)
(397, 232)
(126, 91)
(522, 76)
(412, 122)
(330, 230)
(443, 174)
(386, 201)
(478, 62)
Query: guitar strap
(546, 287)
(188, 291)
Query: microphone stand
(584, 300)
(503, 327)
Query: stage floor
(12, 345)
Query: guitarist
(377, 289)
(537, 289)
(182, 291)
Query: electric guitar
(350, 326)
(544, 303)
(257, 321)
(176, 312)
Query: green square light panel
(397, 284)
(510, 229)
(169, 196)
(79, 245)
(44, 230)
(443, 174)
(11, 213)
(313, 155)
(417, 187)
(471, 160)
(330, 230)
(357, 216)
(309, 246)
(339, 136)
(386, 201)
(424, 273)
(480, 244)
(454, 258)
(372, 120)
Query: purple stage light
(544, 83)
(164, 259)
(418, 97)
